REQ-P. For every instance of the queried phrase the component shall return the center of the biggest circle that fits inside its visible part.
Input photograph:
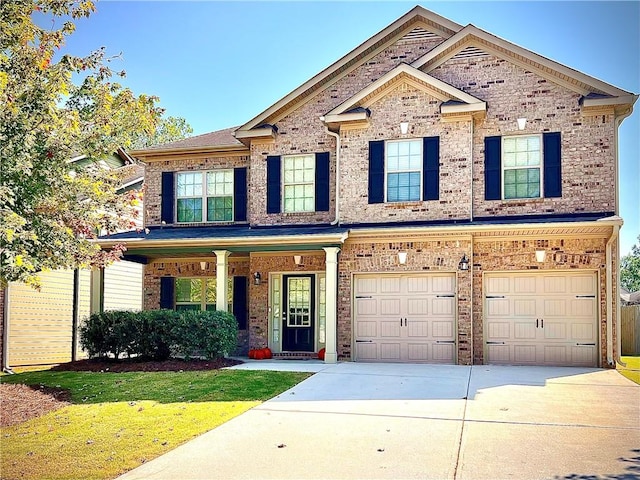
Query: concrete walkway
(391, 421)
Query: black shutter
(551, 142)
(273, 184)
(167, 292)
(240, 301)
(376, 171)
(322, 182)
(166, 210)
(431, 168)
(493, 168)
(240, 194)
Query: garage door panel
(404, 318)
(418, 352)
(390, 352)
(525, 307)
(555, 331)
(390, 285)
(443, 306)
(499, 330)
(418, 329)
(367, 329)
(390, 306)
(498, 307)
(443, 352)
(442, 330)
(524, 354)
(390, 329)
(542, 318)
(418, 306)
(524, 330)
(366, 306)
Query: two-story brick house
(436, 195)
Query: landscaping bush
(158, 334)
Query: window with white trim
(403, 170)
(522, 167)
(195, 293)
(204, 196)
(299, 183)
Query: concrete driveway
(390, 421)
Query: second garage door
(405, 318)
(541, 318)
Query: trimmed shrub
(159, 334)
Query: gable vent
(471, 52)
(418, 34)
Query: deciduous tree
(53, 107)
(630, 269)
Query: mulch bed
(21, 402)
(135, 365)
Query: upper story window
(404, 170)
(204, 196)
(299, 183)
(522, 166)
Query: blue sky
(219, 64)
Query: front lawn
(120, 420)
(632, 370)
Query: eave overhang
(156, 155)
(263, 132)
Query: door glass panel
(299, 293)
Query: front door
(298, 315)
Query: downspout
(337, 137)
(6, 368)
(471, 171)
(609, 295)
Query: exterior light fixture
(297, 259)
(402, 258)
(522, 122)
(541, 255)
(464, 263)
(203, 266)
(257, 278)
(404, 127)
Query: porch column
(96, 288)
(331, 326)
(222, 289)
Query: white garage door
(405, 318)
(541, 319)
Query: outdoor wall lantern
(402, 258)
(541, 255)
(203, 266)
(404, 127)
(257, 278)
(464, 263)
(297, 259)
(522, 122)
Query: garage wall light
(540, 255)
(464, 263)
(257, 278)
(402, 258)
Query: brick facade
(588, 169)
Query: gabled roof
(416, 17)
(453, 99)
(550, 69)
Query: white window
(205, 196)
(521, 167)
(195, 293)
(403, 170)
(299, 183)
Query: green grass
(121, 420)
(164, 387)
(632, 370)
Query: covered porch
(280, 283)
